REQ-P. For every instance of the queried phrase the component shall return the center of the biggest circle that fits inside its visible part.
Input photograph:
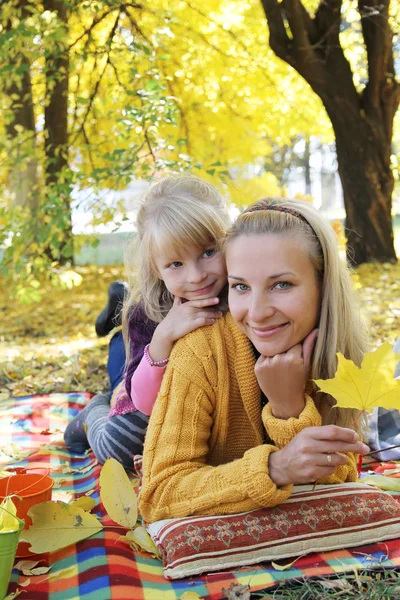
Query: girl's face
(195, 274)
(274, 295)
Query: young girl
(182, 281)
(238, 420)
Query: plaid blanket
(104, 568)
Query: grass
(375, 584)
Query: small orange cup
(32, 488)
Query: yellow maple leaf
(364, 388)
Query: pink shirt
(145, 385)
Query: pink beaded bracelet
(154, 363)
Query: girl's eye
(175, 264)
(239, 287)
(282, 285)
(209, 253)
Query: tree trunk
(23, 179)
(362, 121)
(367, 182)
(56, 132)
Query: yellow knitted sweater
(204, 451)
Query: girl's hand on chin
(183, 318)
(283, 377)
(306, 458)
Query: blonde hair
(177, 211)
(341, 328)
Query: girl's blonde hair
(341, 328)
(177, 211)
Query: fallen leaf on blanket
(61, 496)
(4, 394)
(8, 516)
(13, 594)
(139, 539)
(68, 469)
(391, 484)
(64, 573)
(36, 571)
(84, 502)
(90, 492)
(190, 596)
(117, 495)
(15, 452)
(26, 565)
(50, 431)
(287, 566)
(56, 525)
(237, 591)
(364, 388)
(391, 471)
(24, 583)
(58, 482)
(5, 474)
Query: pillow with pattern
(327, 518)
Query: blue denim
(116, 360)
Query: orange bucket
(32, 488)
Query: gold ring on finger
(329, 459)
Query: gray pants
(119, 437)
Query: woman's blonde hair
(341, 327)
(177, 211)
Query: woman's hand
(183, 318)
(283, 377)
(306, 458)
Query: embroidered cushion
(328, 518)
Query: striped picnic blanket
(104, 568)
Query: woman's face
(274, 296)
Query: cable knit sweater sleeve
(177, 480)
(283, 431)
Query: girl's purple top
(141, 330)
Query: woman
(238, 420)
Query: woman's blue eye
(175, 264)
(282, 285)
(240, 287)
(209, 252)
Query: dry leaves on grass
(54, 348)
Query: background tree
(362, 116)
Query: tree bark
(362, 122)
(56, 135)
(23, 179)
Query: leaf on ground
(117, 495)
(24, 583)
(391, 484)
(237, 591)
(56, 525)
(364, 388)
(139, 539)
(84, 502)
